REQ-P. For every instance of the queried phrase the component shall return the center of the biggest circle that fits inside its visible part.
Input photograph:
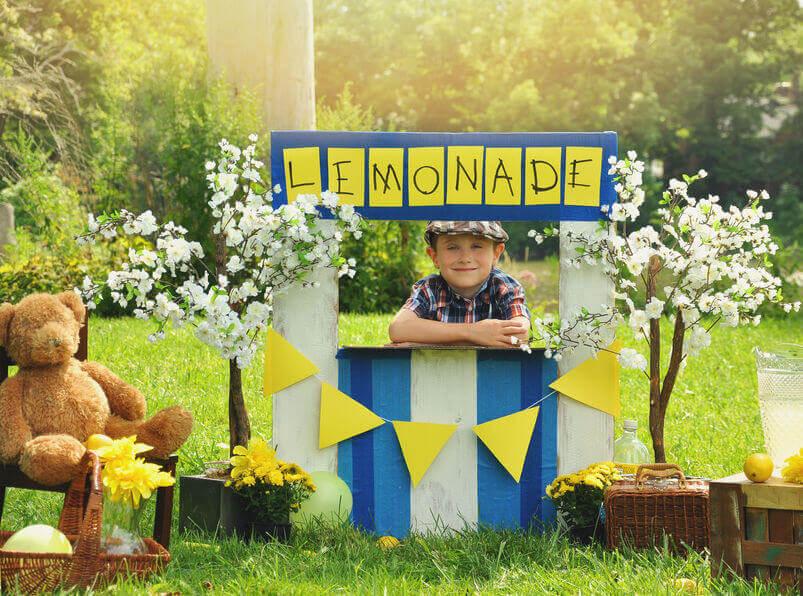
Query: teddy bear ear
(72, 301)
(6, 314)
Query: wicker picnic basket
(658, 501)
(80, 520)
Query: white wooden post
(266, 47)
(585, 435)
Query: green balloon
(330, 502)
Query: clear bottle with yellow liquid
(628, 451)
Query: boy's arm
(408, 327)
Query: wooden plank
(726, 529)
(798, 527)
(781, 526)
(773, 554)
(755, 524)
(407, 345)
(585, 435)
(773, 496)
(307, 318)
(443, 389)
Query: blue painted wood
(345, 451)
(547, 437)
(362, 489)
(498, 394)
(391, 398)
(281, 140)
(372, 463)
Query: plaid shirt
(500, 297)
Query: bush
(390, 257)
(178, 119)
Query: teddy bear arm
(124, 400)
(14, 429)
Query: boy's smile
(465, 261)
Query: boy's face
(465, 261)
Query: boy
(470, 301)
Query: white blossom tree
(260, 251)
(701, 265)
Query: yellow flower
(258, 459)
(97, 440)
(121, 451)
(133, 481)
(793, 470)
(593, 480)
(276, 478)
(291, 469)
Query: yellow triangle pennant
(342, 417)
(421, 442)
(284, 365)
(508, 438)
(595, 382)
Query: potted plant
(265, 491)
(578, 500)
(702, 265)
(260, 251)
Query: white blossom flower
(267, 250)
(654, 308)
(630, 358)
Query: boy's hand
(497, 333)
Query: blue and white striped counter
(465, 485)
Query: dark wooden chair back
(12, 477)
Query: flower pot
(266, 532)
(587, 535)
(237, 519)
(200, 501)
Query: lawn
(712, 425)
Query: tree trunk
(656, 419)
(239, 426)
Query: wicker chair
(12, 477)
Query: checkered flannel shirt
(500, 297)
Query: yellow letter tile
(302, 172)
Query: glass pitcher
(780, 398)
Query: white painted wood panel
(443, 389)
(307, 318)
(585, 435)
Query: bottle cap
(631, 425)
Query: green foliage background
(109, 105)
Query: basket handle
(645, 471)
(85, 558)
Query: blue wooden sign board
(452, 176)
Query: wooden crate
(757, 529)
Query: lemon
(387, 542)
(758, 467)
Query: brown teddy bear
(54, 403)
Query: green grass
(712, 424)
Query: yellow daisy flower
(121, 450)
(793, 470)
